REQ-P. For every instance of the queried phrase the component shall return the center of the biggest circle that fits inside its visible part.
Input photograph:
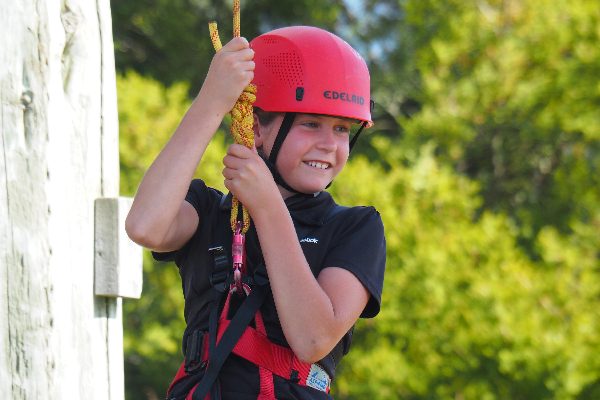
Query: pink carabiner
(239, 254)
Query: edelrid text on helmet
(329, 94)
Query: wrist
(209, 107)
(271, 211)
(210, 102)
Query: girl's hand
(248, 178)
(231, 70)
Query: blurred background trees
(484, 163)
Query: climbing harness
(241, 130)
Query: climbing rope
(241, 117)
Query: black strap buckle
(219, 276)
(218, 279)
(295, 376)
(220, 256)
(195, 352)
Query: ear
(258, 138)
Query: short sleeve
(360, 248)
(202, 198)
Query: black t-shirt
(352, 239)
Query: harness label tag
(318, 378)
(309, 240)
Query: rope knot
(242, 117)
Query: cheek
(267, 136)
(288, 156)
(341, 164)
(343, 151)
(294, 147)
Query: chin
(310, 184)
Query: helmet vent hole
(287, 67)
(270, 40)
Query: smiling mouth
(319, 165)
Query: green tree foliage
(508, 91)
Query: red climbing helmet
(305, 69)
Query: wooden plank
(117, 260)
(5, 246)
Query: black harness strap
(220, 280)
(220, 275)
(284, 129)
(218, 353)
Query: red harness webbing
(255, 347)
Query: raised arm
(160, 219)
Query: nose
(327, 141)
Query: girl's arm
(159, 218)
(314, 313)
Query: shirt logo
(309, 240)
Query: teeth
(318, 165)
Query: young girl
(312, 267)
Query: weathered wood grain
(58, 153)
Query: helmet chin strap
(355, 138)
(284, 129)
(276, 176)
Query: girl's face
(313, 153)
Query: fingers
(237, 43)
(247, 176)
(237, 156)
(240, 59)
(241, 160)
(240, 48)
(231, 70)
(237, 65)
(239, 150)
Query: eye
(310, 124)
(342, 129)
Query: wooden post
(58, 154)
